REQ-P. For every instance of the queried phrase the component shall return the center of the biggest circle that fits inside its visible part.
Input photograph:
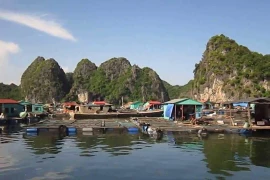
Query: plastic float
(130, 127)
(62, 129)
(87, 129)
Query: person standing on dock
(246, 125)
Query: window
(12, 110)
(6, 110)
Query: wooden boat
(108, 115)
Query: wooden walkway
(133, 125)
(184, 127)
(83, 125)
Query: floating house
(151, 105)
(136, 105)
(182, 109)
(95, 107)
(37, 108)
(261, 112)
(10, 108)
(127, 105)
(69, 106)
(208, 105)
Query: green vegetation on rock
(226, 71)
(44, 81)
(11, 91)
(243, 73)
(179, 91)
(116, 78)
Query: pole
(249, 119)
(195, 111)
(230, 107)
(175, 112)
(182, 112)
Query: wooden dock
(133, 125)
(186, 127)
(78, 126)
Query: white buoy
(87, 129)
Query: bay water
(133, 156)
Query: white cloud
(7, 48)
(8, 72)
(36, 22)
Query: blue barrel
(31, 134)
(31, 130)
(72, 133)
(133, 132)
(133, 129)
(71, 129)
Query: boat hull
(117, 115)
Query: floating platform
(188, 128)
(73, 126)
(114, 115)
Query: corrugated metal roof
(8, 101)
(22, 102)
(70, 103)
(228, 102)
(189, 102)
(136, 102)
(99, 102)
(250, 100)
(154, 102)
(174, 101)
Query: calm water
(133, 157)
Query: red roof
(8, 101)
(154, 102)
(99, 102)
(70, 103)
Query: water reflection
(260, 151)
(44, 144)
(114, 144)
(217, 156)
(226, 154)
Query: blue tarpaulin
(242, 104)
(169, 110)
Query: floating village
(180, 116)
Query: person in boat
(203, 132)
(2, 116)
(246, 125)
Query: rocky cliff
(230, 71)
(44, 81)
(116, 78)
